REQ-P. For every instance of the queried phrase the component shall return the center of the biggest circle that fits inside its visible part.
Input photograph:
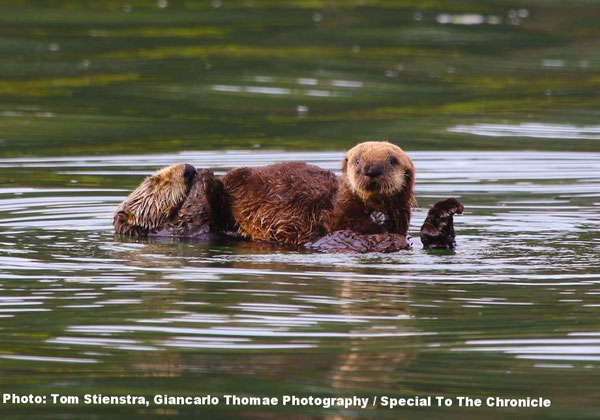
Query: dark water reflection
(92, 77)
(511, 312)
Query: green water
(497, 104)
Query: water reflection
(535, 130)
(522, 227)
(527, 256)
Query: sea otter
(294, 203)
(365, 209)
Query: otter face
(152, 203)
(378, 169)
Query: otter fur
(284, 202)
(295, 203)
(375, 193)
(346, 241)
(290, 203)
(154, 202)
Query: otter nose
(374, 170)
(189, 171)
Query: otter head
(154, 201)
(376, 169)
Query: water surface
(511, 312)
(495, 101)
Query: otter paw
(198, 215)
(438, 229)
(154, 201)
(447, 207)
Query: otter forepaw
(154, 201)
(447, 207)
(438, 229)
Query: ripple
(527, 244)
(46, 359)
(235, 332)
(533, 130)
(539, 348)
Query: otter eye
(393, 161)
(357, 161)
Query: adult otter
(177, 201)
(366, 209)
(154, 201)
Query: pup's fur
(283, 202)
(377, 177)
(295, 203)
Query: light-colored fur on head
(397, 170)
(151, 204)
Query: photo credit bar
(325, 402)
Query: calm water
(496, 102)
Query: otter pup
(375, 193)
(295, 203)
(284, 202)
(291, 203)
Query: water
(508, 313)
(495, 102)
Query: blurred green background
(126, 77)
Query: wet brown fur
(283, 202)
(295, 203)
(360, 195)
(346, 241)
(203, 215)
(153, 202)
(292, 203)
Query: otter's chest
(379, 218)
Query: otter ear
(345, 164)
(407, 195)
(409, 188)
